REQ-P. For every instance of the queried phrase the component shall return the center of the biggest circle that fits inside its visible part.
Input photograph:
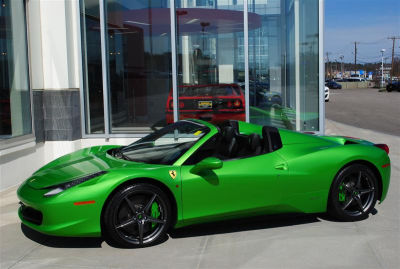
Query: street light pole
(341, 65)
(382, 81)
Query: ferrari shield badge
(172, 173)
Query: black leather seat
(255, 144)
(228, 144)
(271, 139)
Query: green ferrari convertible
(193, 172)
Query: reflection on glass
(15, 109)
(91, 51)
(283, 64)
(139, 63)
(210, 60)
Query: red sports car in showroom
(214, 103)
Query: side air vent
(31, 215)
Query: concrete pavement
(366, 108)
(305, 241)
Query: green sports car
(193, 172)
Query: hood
(75, 165)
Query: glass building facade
(146, 64)
(149, 63)
(255, 60)
(99, 69)
(15, 104)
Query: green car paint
(295, 178)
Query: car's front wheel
(137, 216)
(353, 193)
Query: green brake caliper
(342, 194)
(155, 213)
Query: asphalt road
(366, 108)
(290, 242)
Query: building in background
(76, 73)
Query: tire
(388, 88)
(353, 193)
(137, 216)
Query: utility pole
(327, 65)
(355, 56)
(341, 61)
(393, 38)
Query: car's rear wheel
(353, 193)
(137, 216)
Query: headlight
(56, 189)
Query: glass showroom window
(210, 52)
(15, 107)
(139, 64)
(283, 64)
(92, 65)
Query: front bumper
(59, 215)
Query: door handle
(282, 166)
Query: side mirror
(209, 163)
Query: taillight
(171, 104)
(237, 103)
(383, 146)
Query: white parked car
(326, 94)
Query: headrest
(271, 138)
(254, 142)
(228, 133)
(230, 123)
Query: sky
(369, 22)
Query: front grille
(31, 215)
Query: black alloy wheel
(137, 216)
(353, 193)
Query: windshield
(166, 145)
